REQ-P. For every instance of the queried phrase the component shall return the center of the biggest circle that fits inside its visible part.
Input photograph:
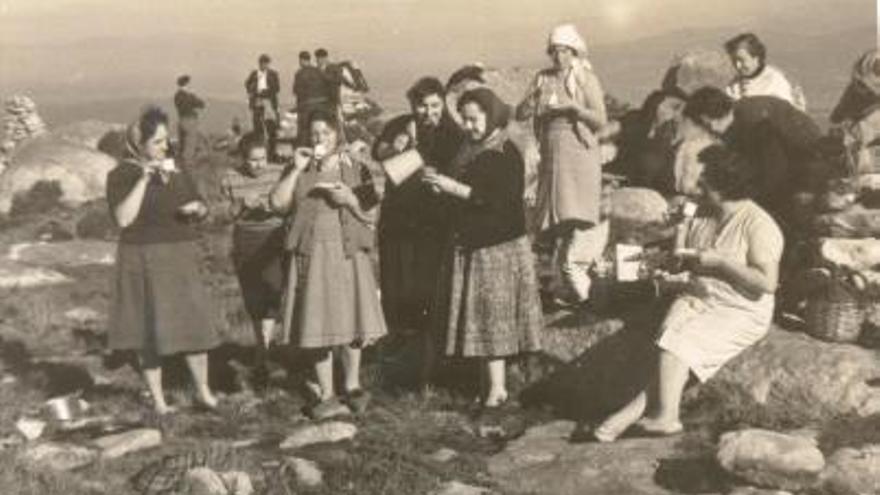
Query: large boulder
(697, 68)
(858, 254)
(545, 461)
(800, 376)
(856, 222)
(87, 133)
(770, 459)
(79, 172)
(638, 215)
(853, 471)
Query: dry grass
(389, 455)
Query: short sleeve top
(750, 229)
(158, 220)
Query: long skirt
(331, 299)
(161, 305)
(408, 269)
(489, 301)
(257, 254)
(569, 178)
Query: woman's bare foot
(495, 398)
(163, 409)
(207, 399)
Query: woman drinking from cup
(331, 298)
(161, 305)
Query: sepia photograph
(460, 247)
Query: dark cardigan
(495, 212)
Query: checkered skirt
(488, 302)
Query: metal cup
(66, 407)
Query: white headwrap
(567, 35)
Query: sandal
(606, 433)
(651, 428)
(357, 400)
(499, 403)
(329, 408)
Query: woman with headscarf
(160, 306)
(331, 299)
(568, 106)
(488, 302)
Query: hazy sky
(102, 48)
(428, 21)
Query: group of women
(456, 263)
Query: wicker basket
(836, 313)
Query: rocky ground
(823, 398)
(792, 415)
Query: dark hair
(708, 102)
(423, 88)
(727, 172)
(304, 55)
(183, 80)
(321, 53)
(150, 120)
(321, 115)
(265, 59)
(466, 73)
(752, 43)
(250, 141)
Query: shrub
(95, 222)
(43, 197)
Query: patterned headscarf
(497, 117)
(497, 112)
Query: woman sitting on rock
(332, 297)
(733, 249)
(161, 306)
(488, 305)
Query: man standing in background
(312, 91)
(262, 87)
(190, 141)
(335, 77)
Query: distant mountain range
(86, 82)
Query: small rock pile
(22, 122)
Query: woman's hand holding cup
(301, 158)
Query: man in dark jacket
(312, 91)
(262, 87)
(190, 141)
